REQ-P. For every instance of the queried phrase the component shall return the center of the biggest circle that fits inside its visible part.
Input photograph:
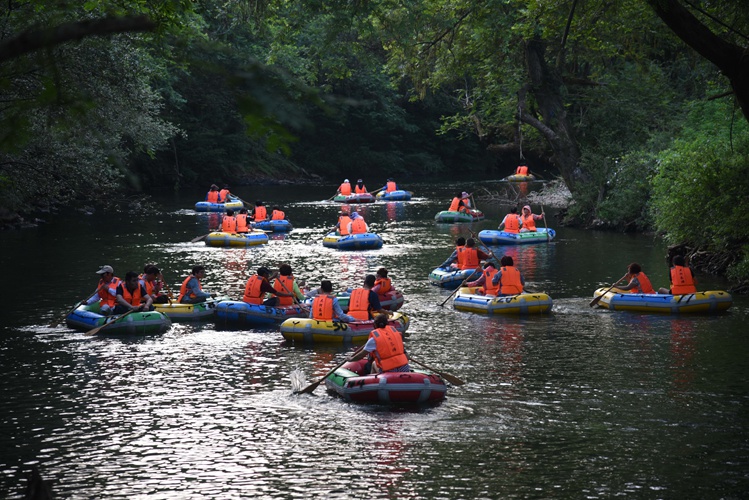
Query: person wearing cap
(508, 279)
(152, 281)
(385, 348)
(528, 220)
(260, 213)
(457, 204)
(466, 199)
(344, 223)
(345, 188)
(364, 302)
(224, 194)
(132, 296)
(485, 281)
(325, 307)
(466, 257)
(360, 187)
(259, 285)
(213, 195)
(357, 224)
(106, 293)
(191, 291)
(229, 222)
(512, 222)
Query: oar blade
(595, 301)
(199, 238)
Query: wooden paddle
(597, 299)
(199, 238)
(459, 287)
(450, 378)
(313, 386)
(491, 254)
(61, 318)
(100, 328)
(169, 294)
(535, 174)
(548, 238)
(293, 297)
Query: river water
(580, 403)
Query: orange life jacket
(229, 224)
(345, 188)
(358, 304)
(148, 285)
(252, 293)
(528, 222)
(522, 170)
(645, 286)
(358, 226)
(360, 190)
(242, 226)
(343, 222)
(278, 285)
(390, 187)
(385, 285)
(132, 298)
(277, 215)
(512, 223)
(509, 283)
(468, 258)
(682, 280)
(389, 351)
(489, 287)
(454, 205)
(260, 213)
(106, 298)
(322, 308)
(224, 195)
(212, 197)
(183, 288)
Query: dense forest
(640, 106)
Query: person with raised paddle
(682, 279)
(325, 307)
(132, 296)
(191, 291)
(485, 281)
(385, 349)
(106, 292)
(258, 287)
(508, 279)
(153, 282)
(511, 222)
(389, 186)
(638, 281)
(528, 220)
(596, 300)
(364, 302)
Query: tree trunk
(546, 88)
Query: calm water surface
(581, 403)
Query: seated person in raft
(682, 279)
(528, 220)
(385, 349)
(638, 282)
(132, 296)
(508, 279)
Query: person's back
(229, 222)
(455, 205)
(389, 353)
(390, 186)
(213, 195)
(489, 287)
(277, 214)
(522, 170)
(511, 221)
(358, 304)
(643, 284)
(253, 290)
(224, 194)
(242, 224)
(345, 188)
(358, 226)
(682, 279)
(360, 188)
(284, 284)
(260, 213)
(468, 258)
(344, 221)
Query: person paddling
(385, 348)
(638, 281)
(106, 293)
(132, 296)
(528, 220)
(191, 291)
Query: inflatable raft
(525, 303)
(273, 226)
(494, 237)
(391, 301)
(448, 217)
(699, 302)
(309, 330)
(450, 278)
(188, 312)
(222, 239)
(363, 241)
(520, 178)
(207, 206)
(355, 198)
(234, 312)
(85, 318)
(415, 387)
(397, 195)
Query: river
(579, 403)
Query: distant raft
(363, 241)
(450, 217)
(520, 178)
(414, 387)
(176, 311)
(222, 239)
(355, 198)
(310, 331)
(273, 226)
(85, 318)
(713, 301)
(239, 313)
(207, 206)
(397, 195)
(494, 237)
(450, 278)
(525, 303)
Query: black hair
(506, 260)
(381, 321)
(151, 269)
(284, 270)
(634, 268)
(130, 275)
(470, 242)
(197, 269)
(326, 286)
(382, 272)
(369, 280)
(514, 210)
(230, 212)
(678, 260)
(460, 242)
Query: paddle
(199, 238)
(61, 318)
(240, 199)
(597, 299)
(459, 287)
(169, 294)
(548, 238)
(450, 378)
(378, 190)
(534, 173)
(293, 297)
(100, 328)
(313, 386)
(491, 254)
